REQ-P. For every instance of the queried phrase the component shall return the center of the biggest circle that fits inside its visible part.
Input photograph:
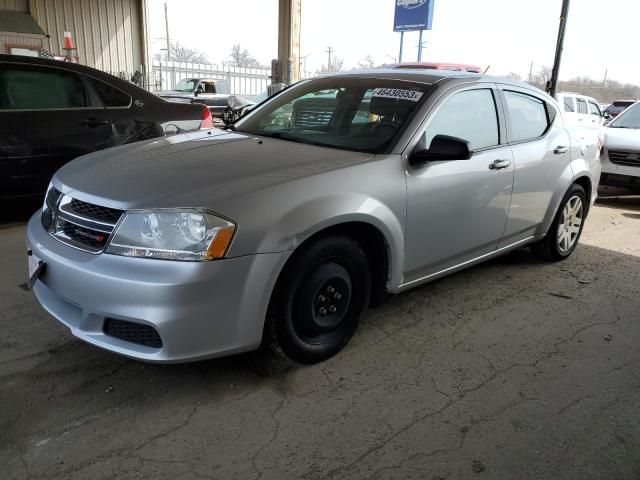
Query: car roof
(429, 76)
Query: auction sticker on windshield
(397, 93)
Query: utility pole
(604, 86)
(329, 50)
(531, 73)
(166, 26)
(552, 85)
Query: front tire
(563, 235)
(316, 305)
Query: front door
(457, 210)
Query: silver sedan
(279, 232)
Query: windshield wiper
(283, 136)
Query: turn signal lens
(220, 243)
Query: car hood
(622, 139)
(193, 170)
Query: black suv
(52, 112)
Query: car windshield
(630, 118)
(187, 85)
(360, 114)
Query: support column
(289, 19)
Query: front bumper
(199, 309)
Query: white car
(580, 110)
(621, 150)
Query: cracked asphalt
(515, 369)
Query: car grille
(619, 157)
(79, 224)
(132, 332)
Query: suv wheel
(317, 303)
(562, 238)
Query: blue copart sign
(413, 15)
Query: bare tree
(513, 76)
(336, 65)
(543, 76)
(242, 58)
(367, 62)
(181, 53)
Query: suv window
(582, 105)
(470, 115)
(569, 104)
(528, 117)
(209, 87)
(37, 88)
(594, 109)
(110, 95)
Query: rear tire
(316, 305)
(563, 235)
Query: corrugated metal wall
(18, 40)
(105, 32)
(17, 5)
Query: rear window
(623, 104)
(110, 95)
(38, 88)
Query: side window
(37, 88)
(209, 87)
(110, 95)
(470, 115)
(528, 118)
(594, 109)
(569, 104)
(582, 106)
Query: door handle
(93, 122)
(499, 164)
(560, 149)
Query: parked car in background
(283, 229)
(617, 107)
(580, 110)
(212, 92)
(52, 112)
(621, 150)
(456, 67)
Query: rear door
(541, 154)
(48, 118)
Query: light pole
(552, 85)
(166, 26)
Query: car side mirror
(606, 115)
(442, 148)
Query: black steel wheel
(317, 303)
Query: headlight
(187, 235)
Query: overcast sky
(506, 34)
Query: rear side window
(528, 117)
(470, 115)
(38, 88)
(569, 104)
(582, 106)
(110, 95)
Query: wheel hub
(570, 224)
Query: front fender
(320, 213)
